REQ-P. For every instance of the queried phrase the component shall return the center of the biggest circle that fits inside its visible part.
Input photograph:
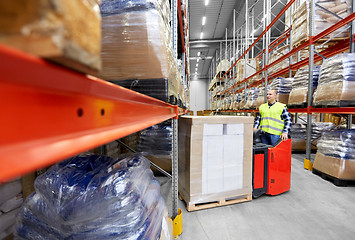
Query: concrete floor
(313, 209)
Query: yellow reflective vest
(271, 121)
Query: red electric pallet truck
(271, 167)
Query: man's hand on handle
(284, 136)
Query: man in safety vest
(274, 120)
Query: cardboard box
(283, 98)
(336, 167)
(64, 31)
(301, 145)
(215, 158)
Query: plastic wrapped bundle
(336, 154)
(260, 99)
(252, 96)
(244, 96)
(336, 81)
(94, 197)
(338, 144)
(298, 131)
(155, 143)
(323, 19)
(298, 95)
(136, 41)
(276, 54)
(251, 68)
(223, 66)
(64, 31)
(282, 85)
(320, 127)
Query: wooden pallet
(331, 104)
(336, 181)
(301, 105)
(332, 42)
(223, 202)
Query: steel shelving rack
(314, 57)
(51, 113)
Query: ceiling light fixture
(206, 2)
(198, 54)
(201, 35)
(198, 59)
(203, 21)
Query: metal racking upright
(52, 113)
(339, 47)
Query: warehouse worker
(274, 119)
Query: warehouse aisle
(312, 209)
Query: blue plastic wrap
(338, 144)
(282, 85)
(112, 7)
(156, 140)
(94, 197)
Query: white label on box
(212, 129)
(233, 149)
(222, 160)
(233, 129)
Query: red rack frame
(51, 113)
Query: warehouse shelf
(262, 76)
(340, 110)
(51, 113)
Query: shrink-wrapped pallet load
(283, 87)
(94, 197)
(260, 99)
(136, 45)
(155, 143)
(323, 19)
(336, 81)
(298, 94)
(223, 66)
(243, 71)
(252, 97)
(336, 154)
(276, 54)
(211, 168)
(64, 31)
(298, 134)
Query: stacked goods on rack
(94, 197)
(299, 92)
(336, 154)
(298, 134)
(323, 20)
(276, 54)
(222, 67)
(243, 99)
(260, 99)
(336, 81)
(246, 68)
(10, 202)
(211, 168)
(283, 87)
(136, 45)
(252, 97)
(155, 143)
(66, 32)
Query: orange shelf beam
(50, 113)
